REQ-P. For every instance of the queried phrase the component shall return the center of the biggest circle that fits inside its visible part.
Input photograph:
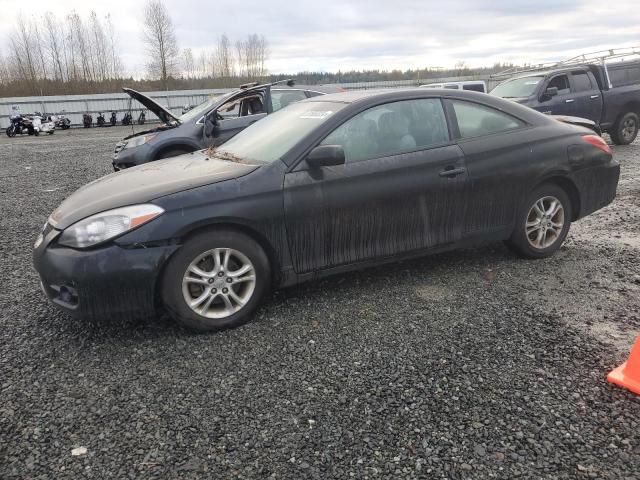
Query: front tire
(543, 223)
(625, 129)
(216, 280)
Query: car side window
(562, 83)
(581, 82)
(282, 98)
(242, 107)
(475, 120)
(474, 87)
(391, 129)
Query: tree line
(69, 50)
(51, 55)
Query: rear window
(621, 76)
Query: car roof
(353, 96)
(385, 95)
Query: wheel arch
(569, 188)
(252, 233)
(629, 107)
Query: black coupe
(325, 185)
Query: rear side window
(475, 120)
(581, 82)
(282, 98)
(392, 129)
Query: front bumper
(129, 157)
(103, 282)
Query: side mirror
(550, 92)
(210, 124)
(325, 156)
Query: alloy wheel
(628, 129)
(218, 283)
(545, 222)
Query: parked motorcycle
(101, 121)
(142, 117)
(114, 119)
(20, 125)
(43, 123)
(127, 119)
(61, 121)
(87, 120)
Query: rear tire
(221, 296)
(625, 129)
(542, 223)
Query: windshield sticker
(532, 82)
(315, 115)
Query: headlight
(137, 141)
(107, 225)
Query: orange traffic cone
(627, 375)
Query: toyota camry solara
(326, 185)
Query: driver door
(564, 103)
(401, 189)
(234, 116)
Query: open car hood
(581, 122)
(161, 112)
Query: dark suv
(209, 124)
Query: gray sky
(328, 35)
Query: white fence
(75, 105)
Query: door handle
(569, 100)
(594, 96)
(452, 171)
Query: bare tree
(252, 54)
(241, 57)
(224, 57)
(5, 75)
(263, 55)
(22, 53)
(99, 47)
(114, 59)
(160, 39)
(188, 64)
(54, 43)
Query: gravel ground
(472, 364)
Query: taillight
(597, 142)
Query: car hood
(161, 112)
(144, 183)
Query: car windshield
(517, 88)
(197, 111)
(269, 139)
